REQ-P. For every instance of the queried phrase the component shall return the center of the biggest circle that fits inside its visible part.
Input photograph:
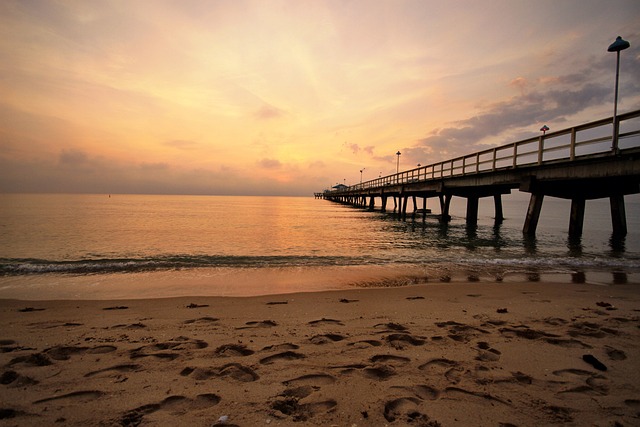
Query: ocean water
(129, 246)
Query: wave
(29, 266)
(18, 267)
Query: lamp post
(544, 129)
(398, 162)
(616, 47)
(361, 174)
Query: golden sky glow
(290, 96)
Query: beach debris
(222, 420)
(502, 310)
(606, 305)
(192, 305)
(277, 302)
(117, 307)
(30, 309)
(346, 301)
(590, 359)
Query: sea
(101, 246)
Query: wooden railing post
(572, 149)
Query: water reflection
(578, 277)
(620, 278)
(530, 244)
(617, 244)
(574, 244)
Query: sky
(289, 97)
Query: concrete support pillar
(372, 203)
(445, 202)
(395, 203)
(618, 215)
(497, 201)
(384, 204)
(404, 207)
(415, 207)
(576, 219)
(533, 214)
(424, 209)
(472, 210)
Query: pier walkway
(596, 160)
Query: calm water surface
(100, 246)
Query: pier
(595, 160)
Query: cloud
(73, 157)
(356, 148)
(181, 144)
(268, 112)
(269, 164)
(548, 100)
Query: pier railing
(593, 139)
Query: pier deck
(576, 163)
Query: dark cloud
(73, 157)
(550, 100)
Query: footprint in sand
(615, 354)
(324, 321)
(422, 392)
(233, 350)
(486, 353)
(204, 320)
(305, 385)
(386, 327)
(449, 369)
(160, 350)
(401, 341)
(286, 355)
(301, 412)
(366, 343)
(233, 370)
(311, 379)
(280, 347)
(390, 359)
(134, 417)
(65, 352)
(582, 381)
(35, 359)
(117, 369)
(379, 371)
(14, 379)
(590, 329)
(326, 339)
(76, 396)
(259, 324)
(405, 411)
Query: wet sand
(426, 355)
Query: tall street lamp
(361, 174)
(544, 129)
(398, 162)
(616, 47)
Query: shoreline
(248, 282)
(447, 353)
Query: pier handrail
(592, 139)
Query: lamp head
(618, 45)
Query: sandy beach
(444, 354)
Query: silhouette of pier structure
(578, 163)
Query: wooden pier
(577, 163)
